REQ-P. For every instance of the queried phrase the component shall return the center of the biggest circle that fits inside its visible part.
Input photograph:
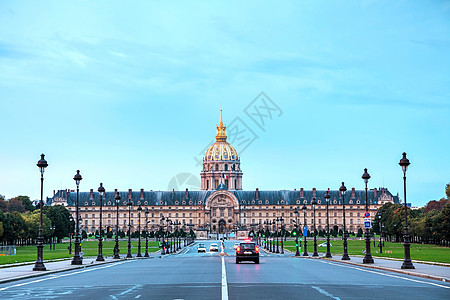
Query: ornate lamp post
(276, 233)
(342, 190)
(101, 191)
(297, 253)
(305, 253)
(163, 245)
(407, 263)
(129, 203)
(368, 259)
(327, 198)
(52, 228)
(380, 225)
(77, 260)
(139, 231)
(146, 232)
(39, 265)
(116, 246)
(282, 234)
(314, 202)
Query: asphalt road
(192, 275)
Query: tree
(26, 202)
(4, 205)
(447, 190)
(59, 216)
(16, 205)
(1, 229)
(360, 232)
(109, 234)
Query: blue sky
(130, 92)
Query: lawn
(423, 252)
(90, 248)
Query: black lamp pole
(282, 234)
(146, 232)
(305, 253)
(342, 190)
(163, 244)
(129, 203)
(368, 259)
(327, 198)
(77, 260)
(380, 225)
(101, 191)
(297, 253)
(39, 265)
(139, 231)
(407, 263)
(277, 234)
(314, 202)
(116, 246)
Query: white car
(201, 248)
(325, 244)
(214, 247)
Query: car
(213, 247)
(201, 248)
(247, 251)
(236, 245)
(325, 244)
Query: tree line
(429, 225)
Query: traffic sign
(305, 230)
(367, 223)
(366, 214)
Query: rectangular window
(335, 221)
(320, 221)
(351, 221)
(131, 222)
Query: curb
(422, 275)
(43, 273)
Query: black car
(247, 251)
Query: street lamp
(342, 190)
(39, 265)
(139, 231)
(129, 203)
(407, 263)
(282, 234)
(276, 233)
(305, 253)
(380, 225)
(101, 191)
(77, 260)
(52, 228)
(368, 259)
(116, 246)
(163, 252)
(70, 234)
(297, 253)
(327, 198)
(314, 202)
(146, 232)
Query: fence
(7, 250)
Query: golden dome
(221, 149)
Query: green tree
(59, 216)
(360, 233)
(447, 190)
(1, 229)
(26, 202)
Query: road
(192, 275)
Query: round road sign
(366, 214)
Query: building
(221, 205)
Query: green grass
(421, 252)
(90, 248)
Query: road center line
(323, 292)
(388, 275)
(224, 281)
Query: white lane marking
(224, 281)
(138, 296)
(388, 275)
(130, 289)
(52, 276)
(323, 292)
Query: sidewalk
(24, 271)
(424, 270)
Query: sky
(313, 92)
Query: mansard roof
(162, 198)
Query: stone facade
(221, 206)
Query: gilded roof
(221, 149)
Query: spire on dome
(221, 135)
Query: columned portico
(222, 211)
